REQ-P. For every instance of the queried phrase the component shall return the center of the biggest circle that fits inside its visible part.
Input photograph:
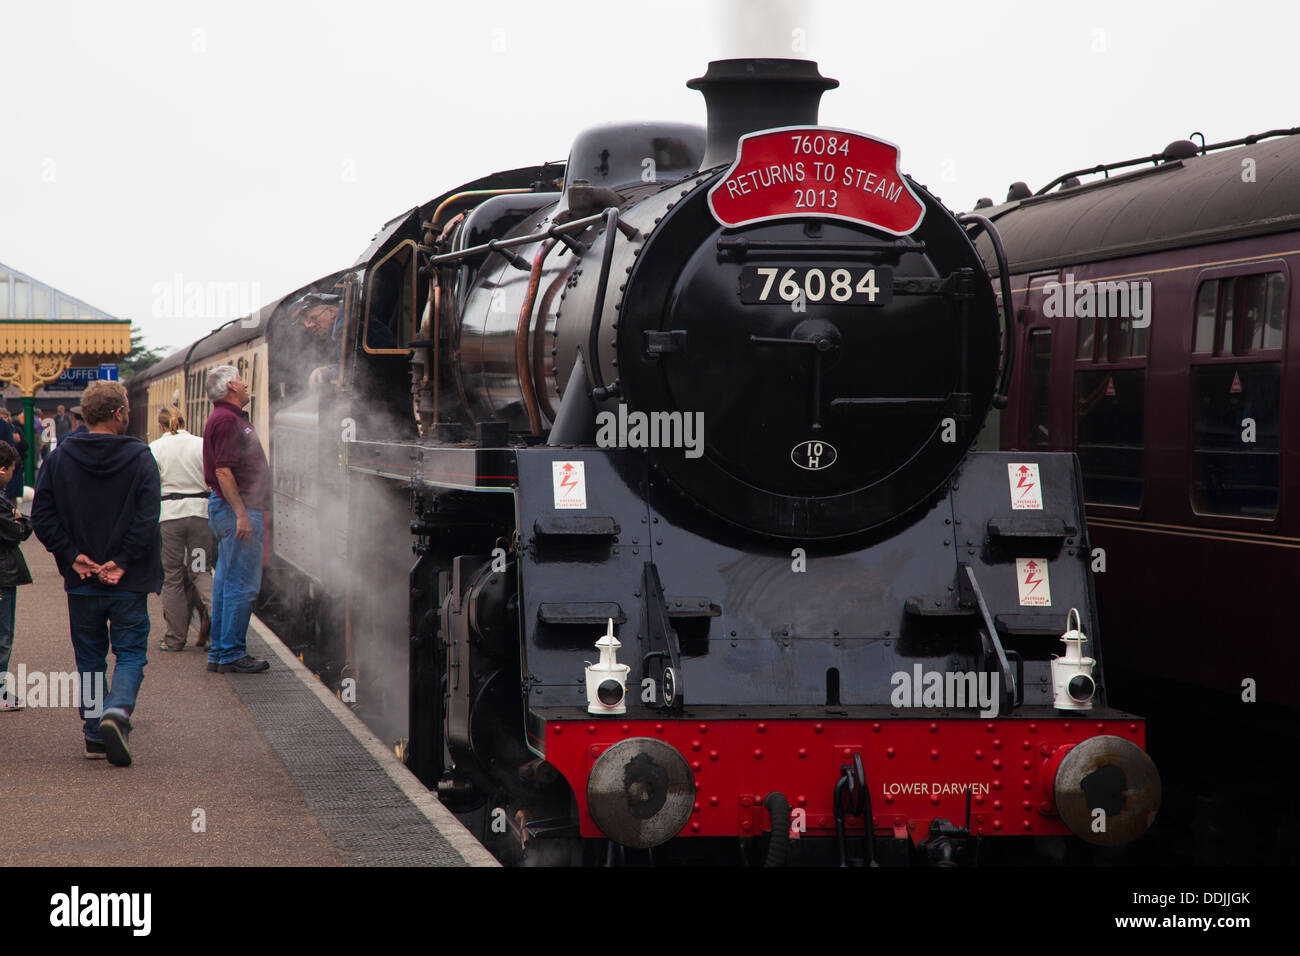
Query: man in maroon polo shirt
(235, 469)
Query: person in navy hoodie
(96, 510)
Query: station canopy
(44, 332)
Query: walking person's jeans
(236, 582)
(98, 622)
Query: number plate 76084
(837, 285)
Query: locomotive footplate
(1017, 773)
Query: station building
(49, 342)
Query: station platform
(263, 769)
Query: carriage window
(1084, 350)
(1106, 330)
(1251, 293)
(1207, 302)
(1040, 357)
(196, 415)
(1276, 312)
(252, 385)
(1223, 343)
(1240, 314)
(1109, 434)
(1235, 428)
(1137, 337)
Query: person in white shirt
(188, 551)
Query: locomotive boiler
(706, 564)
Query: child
(13, 572)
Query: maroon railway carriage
(1155, 311)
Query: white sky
(264, 143)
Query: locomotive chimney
(752, 94)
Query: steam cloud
(761, 28)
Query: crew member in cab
(320, 314)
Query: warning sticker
(1026, 490)
(1032, 582)
(569, 483)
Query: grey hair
(218, 382)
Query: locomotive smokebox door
(839, 345)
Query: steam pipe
(778, 848)
(527, 386)
(539, 337)
(475, 194)
(429, 329)
(1008, 317)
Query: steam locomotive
(680, 432)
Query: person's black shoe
(213, 666)
(114, 729)
(246, 665)
(95, 750)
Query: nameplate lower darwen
(800, 171)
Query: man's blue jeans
(235, 583)
(121, 620)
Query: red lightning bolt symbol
(567, 481)
(1025, 482)
(1030, 579)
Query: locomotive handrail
(1008, 319)
(559, 231)
(610, 215)
(740, 246)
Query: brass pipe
(434, 332)
(475, 194)
(522, 369)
